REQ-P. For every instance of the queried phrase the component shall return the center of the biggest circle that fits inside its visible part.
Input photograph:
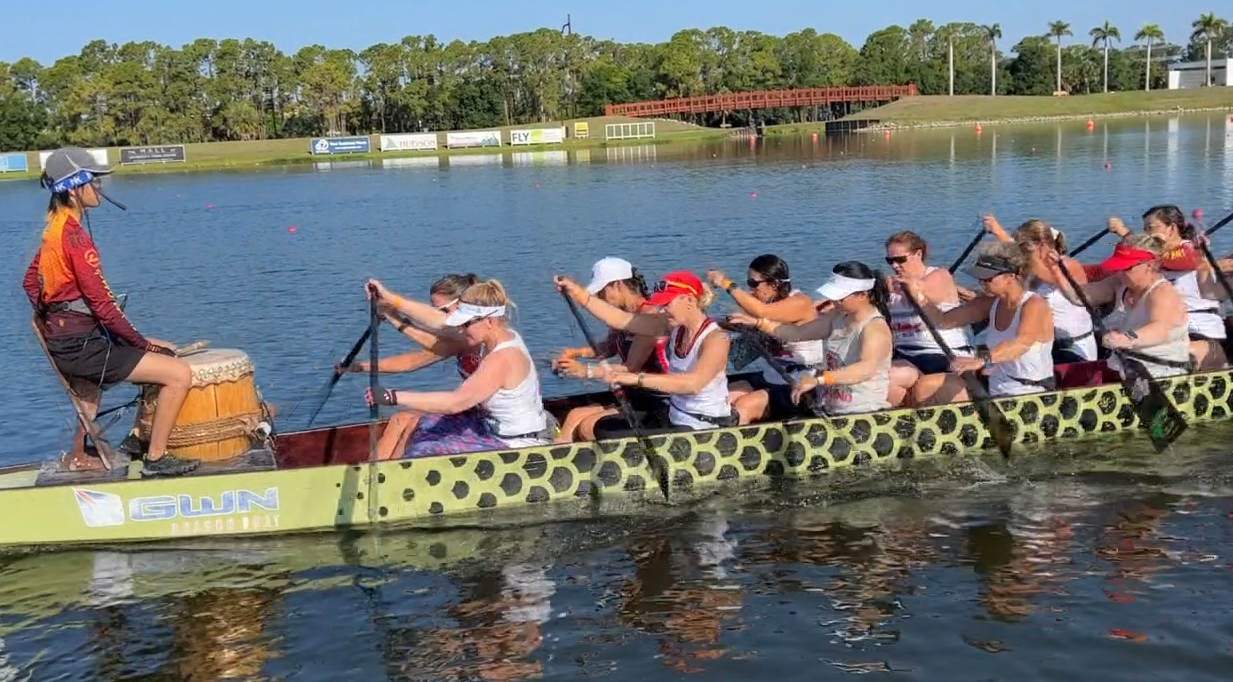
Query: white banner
(410, 142)
(537, 136)
(478, 138)
(99, 155)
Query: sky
(291, 25)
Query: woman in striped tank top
(435, 347)
(916, 353)
(772, 298)
(617, 282)
(1020, 331)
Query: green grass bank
(209, 156)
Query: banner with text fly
(537, 136)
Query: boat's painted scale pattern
(429, 489)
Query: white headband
(465, 312)
(839, 287)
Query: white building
(1191, 74)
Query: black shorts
(94, 358)
(926, 363)
(1066, 354)
(646, 401)
(780, 404)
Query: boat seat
(1084, 374)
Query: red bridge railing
(764, 99)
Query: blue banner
(359, 144)
(14, 163)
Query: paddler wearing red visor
(1149, 320)
(88, 337)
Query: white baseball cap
(609, 270)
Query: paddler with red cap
(1149, 320)
(696, 381)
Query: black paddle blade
(743, 352)
(1163, 421)
(324, 396)
(994, 419)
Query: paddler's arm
(1098, 293)
(794, 309)
(971, 312)
(813, 330)
(480, 386)
(403, 362)
(993, 227)
(712, 360)
(421, 313)
(88, 272)
(642, 348)
(641, 324)
(34, 289)
(875, 349)
(1166, 311)
(1035, 325)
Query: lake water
(1117, 560)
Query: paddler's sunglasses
(753, 283)
(446, 308)
(897, 260)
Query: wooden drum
(221, 412)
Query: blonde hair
(1035, 232)
(1011, 251)
(487, 293)
(707, 298)
(1148, 242)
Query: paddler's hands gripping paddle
(1163, 420)
(627, 411)
(990, 414)
(374, 410)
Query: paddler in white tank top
(1074, 339)
(772, 297)
(1020, 331)
(499, 406)
(1184, 266)
(916, 353)
(1149, 321)
(855, 374)
(697, 378)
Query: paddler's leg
(1208, 354)
(586, 430)
(571, 428)
(939, 389)
(89, 395)
(903, 376)
(174, 378)
(393, 441)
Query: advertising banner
(14, 163)
(410, 142)
(537, 136)
(355, 144)
(99, 155)
(153, 154)
(582, 130)
(479, 138)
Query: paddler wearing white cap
(855, 374)
(1019, 359)
(505, 384)
(617, 282)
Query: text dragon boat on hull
(321, 479)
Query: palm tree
(1208, 28)
(1103, 34)
(1149, 35)
(1057, 31)
(992, 33)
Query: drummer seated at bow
(91, 342)
(444, 295)
(498, 407)
(1149, 322)
(854, 376)
(772, 298)
(697, 377)
(617, 282)
(1019, 359)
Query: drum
(220, 414)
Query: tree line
(215, 90)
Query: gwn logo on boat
(101, 510)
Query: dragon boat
(255, 480)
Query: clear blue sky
(27, 28)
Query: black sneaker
(167, 465)
(132, 445)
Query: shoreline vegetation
(920, 112)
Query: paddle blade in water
(994, 419)
(1163, 421)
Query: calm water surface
(1094, 557)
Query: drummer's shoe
(132, 445)
(167, 465)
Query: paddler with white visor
(467, 313)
